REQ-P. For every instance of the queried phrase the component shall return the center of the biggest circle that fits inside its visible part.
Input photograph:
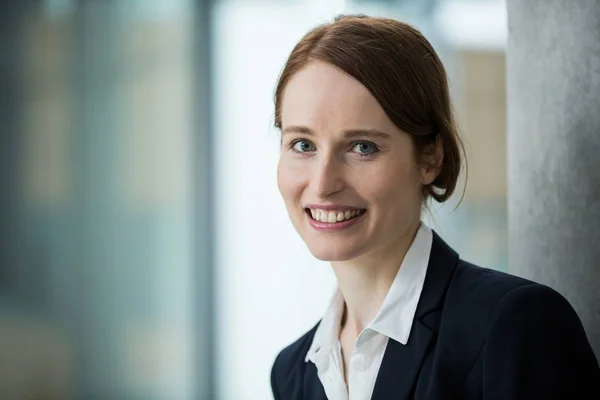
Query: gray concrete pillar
(553, 94)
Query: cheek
(289, 182)
(396, 184)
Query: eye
(365, 148)
(302, 146)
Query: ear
(431, 161)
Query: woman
(368, 137)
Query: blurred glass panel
(473, 35)
(96, 295)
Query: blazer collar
(401, 363)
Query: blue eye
(365, 148)
(303, 146)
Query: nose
(327, 177)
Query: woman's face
(347, 174)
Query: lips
(333, 218)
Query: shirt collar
(397, 312)
(328, 330)
(396, 315)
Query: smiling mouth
(333, 217)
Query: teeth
(332, 217)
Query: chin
(326, 253)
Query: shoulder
(513, 314)
(473, 277)
(517, 324)
(534, 331)
(498, 292)
(474, 292)
(482, 302)
(535, 309)
(291, 359)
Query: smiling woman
(340, 151)
(367, 138)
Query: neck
(364, 282)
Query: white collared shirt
(393, 320)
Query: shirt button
(360, 366)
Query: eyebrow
(348, 134)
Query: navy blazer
(477, 334)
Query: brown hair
(397, 64)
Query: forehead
(322, 96)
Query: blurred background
(145, 252)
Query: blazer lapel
(401, 364)
(313, 389)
